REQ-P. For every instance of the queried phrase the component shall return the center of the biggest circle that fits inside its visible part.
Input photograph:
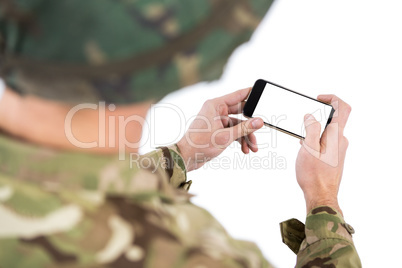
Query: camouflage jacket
(60, 209)
(120, 51)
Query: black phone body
(284, 109)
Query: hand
(319, 164)
(213, 130)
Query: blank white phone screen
(285, 109)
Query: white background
(350, 48)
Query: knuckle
(222, 109)
(332, 98)
(317, 124)
(243, 129)
(314, 126)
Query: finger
(342, 109)
(224, 119)
(237, 108)
(313, 130)
(228, 121)
(252, 142)
(235, 97)
(245, 128)
(251, 139)
(234, 121)
(240, 141)
(244, 146)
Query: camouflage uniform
(61, 209)
(120, 51)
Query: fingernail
(256, 123)
(308, 117)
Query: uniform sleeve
(186, 235)
(324, 241)
(139, 214)
(169, 161)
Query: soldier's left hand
(213, 130)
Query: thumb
(246, 127)
(313, 130)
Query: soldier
(63, 209)
(71, 209)
(125, 52)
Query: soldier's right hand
(213, 130)
(319, 164)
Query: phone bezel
(255, 96)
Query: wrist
(314, 202)
(186, 154)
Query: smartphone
(284, 109)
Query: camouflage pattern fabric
(325, 240)
(61, 209)
(74, 210)
(120, 51)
